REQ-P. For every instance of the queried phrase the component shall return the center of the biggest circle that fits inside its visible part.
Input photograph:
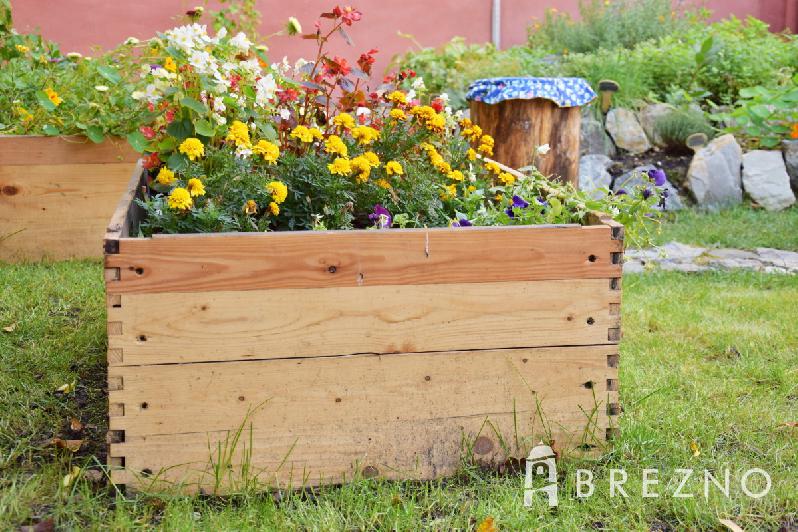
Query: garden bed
(307, 358)
(57, 193)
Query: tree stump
(520, 126)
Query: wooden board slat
(57, 211)
(34, 150)
(241, 261)
(403, 415)
(258, 324)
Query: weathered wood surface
(57, 194)
(240, 261)
(520, 126)
(260, 324)
(323, 420)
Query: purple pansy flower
(646, 193)
(462, 222)
(381, 217)
(658, 176)
(518, 202)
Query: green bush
(605, 24)
(675, 127)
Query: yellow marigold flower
(472, 155)
(493, 167)
(471, 188)
(250, 207)
(465, 123)
(335, 145)
(397, 114)
(365, 135)
(170, 65)
(316, 133)
(427, 147)
(449, 191)
(195, 187)
(487, 139)
(372, 158)
(344, 120)
(499, 197)
(24, 114)
(456, 175)
(274, 208)
(303, 134)
(472, 133)
(397, 97)
(436, 123)
(238, 133)
(486, 150)
(165, 176)
(362, 165)
(340, 166)
(383, 183)
(506, 178)
(441, 165)
(269, 150)
(394, 168)
(278, 190)
(180, 199)
(192, 148)
(53, 96)
(22, 49)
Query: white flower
(203, 62)
(162, 73)
(243, 152)
(363, 111)
(188, 37)
(301, 62)
(544, 149)
(418, 84)
(444, 98)
(221, 34)
(131, 41)
(265, 88)
(101, 88)
(252, 66)
(219, 119)
(241, 42)
(285, 114)
(411, 95)
(218, 105)
(150, 94)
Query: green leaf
(50, 129)
(137, 141)
(267, 131)
(109, 73)
(167, 144)
(95, 134)
(181, 129)
(44, 101)
(204, 127)
(177, 162)
(194, 105)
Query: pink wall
(79, 25)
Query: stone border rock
(675, 256)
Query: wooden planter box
(389, 353)
(57, 194)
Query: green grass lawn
(741, 227)
(708, 359)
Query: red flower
(235, 79)
(366, 60)
(437, 104)
(348, 14)
(287, 95)
(148, 132)
(151, 161)
(337, 66)
(169, 115)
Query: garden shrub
(675, 127)
(605, 24)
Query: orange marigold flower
(794, 132)
(250, 207)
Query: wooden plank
(35, 150)
(247, 261)
(232, 325)
(403, 415)
(57, 211)
(126, 217)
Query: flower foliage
(243, 145)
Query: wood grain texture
(260, 324)
(322, 420)
(520, 126)
(57, 211)
(312, 259)
(34, 150)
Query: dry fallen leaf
(789, 424)
(731, 525)
(46, 525)
(695, 448)
(66, 388)
(70, 445)
(487, 525)
(93, 475)
(10, 328)
(75, 425)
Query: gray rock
(648, 117)
(686, 267)
(626, 131)
(732, 258)
(593, 174)
(638, 177)
(714, 173)
(779, 258)
(681, 252)
(593, 138)
(790, 149)
(765, 179)
(633, 266)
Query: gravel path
(675, 256)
